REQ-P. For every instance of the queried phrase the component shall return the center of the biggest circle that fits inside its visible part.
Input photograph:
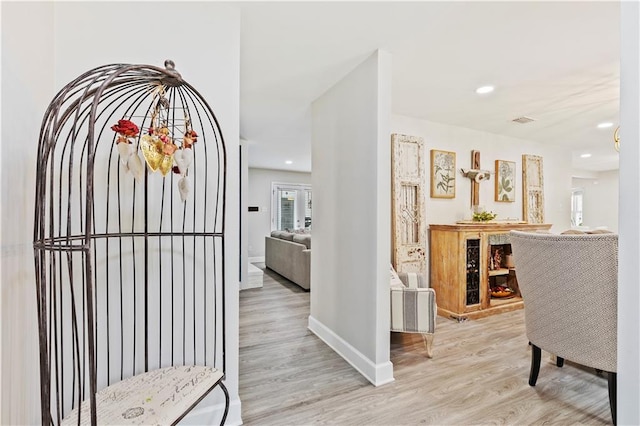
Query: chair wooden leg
(559, 361)
(613, 382)
(536, 355)
(428, 342)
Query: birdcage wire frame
(129, 263)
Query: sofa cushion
(600, 231)
(287, 236)
(276, 234)
(572, 232)
(303, 239)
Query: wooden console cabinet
(467, 260)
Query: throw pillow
(395, 279)
(303, 239)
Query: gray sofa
(289, 254)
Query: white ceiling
(555, 62)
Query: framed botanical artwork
(505, 181)
(443, 174)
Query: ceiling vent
(523, 120)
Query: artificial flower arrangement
(483, 216)
(158, 146)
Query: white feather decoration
(136, 166)
(187, 158)
(177, 158)
(183, 158)
(184, 186)
(125, 152)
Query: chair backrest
(569, 285)
(413, 279)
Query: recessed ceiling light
(484, 89)
(585, 155)
(604, 125)
(288, 162)
(523, 120)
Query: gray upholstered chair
(569, 284)
(413, 306)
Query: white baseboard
(212, 414)
(256, 259)
(377, 374)
(254, 278)
(251, 284)
(247, 286)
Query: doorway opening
(290, 207)
(577, 195)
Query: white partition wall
(351, 166)
(244, 234)
(27, 87)
(629, 242)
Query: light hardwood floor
(478, 373)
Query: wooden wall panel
(407, 207)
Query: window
(576, 206)
(290, 206)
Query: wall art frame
(532, 189)
(505, 182)
(408, 224)
(443, 174)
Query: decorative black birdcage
(129, 249)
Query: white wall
(259, 195)
(54, 43)
(557, 176)
(629, 242)
(600, 200)
(244, 196)
(27, 87)
(351, 217)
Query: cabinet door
(474, 272)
